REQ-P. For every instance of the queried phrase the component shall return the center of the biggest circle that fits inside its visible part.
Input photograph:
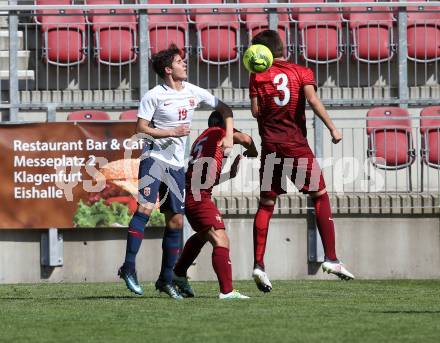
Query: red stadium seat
(192, 15)
(131, 115)
(115, 35)
(48, 2)
(256, 20)
(218, 36)
(347, 11)
(167, 26)
(430, 133)
(423, 33)
(88, 115)
(372, 34)
(294, 11)
(390, 142)
(64, 39)
(321, 34)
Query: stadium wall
(374, 246)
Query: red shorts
(203, 215)
(280, 162)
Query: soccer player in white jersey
(165, 115)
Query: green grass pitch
(296, 311)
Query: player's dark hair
(163, 59)
(272, 40)
(216, 119)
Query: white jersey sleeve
(203, 95)
(147, 106)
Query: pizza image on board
(116, 202)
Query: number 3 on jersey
(183, 113)
(281, 80)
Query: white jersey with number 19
(168, 108)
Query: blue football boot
(183, 285)
(131, 280)
(169, 289)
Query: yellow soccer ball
(257, 58)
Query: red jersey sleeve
(252, 86)
(308, 78)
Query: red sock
(325, 224)
(261, 226)
(190, 252)
(223, 269)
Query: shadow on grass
(145, 297)
(149, 297)
(116, 297)
(97, 297)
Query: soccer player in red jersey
(204, 172)
(278, 99)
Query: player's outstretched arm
(227, 142)
(143, 126)
(246, 141)
(319, 109)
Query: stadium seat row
(64, 34)
(390, 139)
(320, 32)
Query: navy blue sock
(170, 253)
(134, 238)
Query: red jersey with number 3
(281, 101)
(206, 160)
